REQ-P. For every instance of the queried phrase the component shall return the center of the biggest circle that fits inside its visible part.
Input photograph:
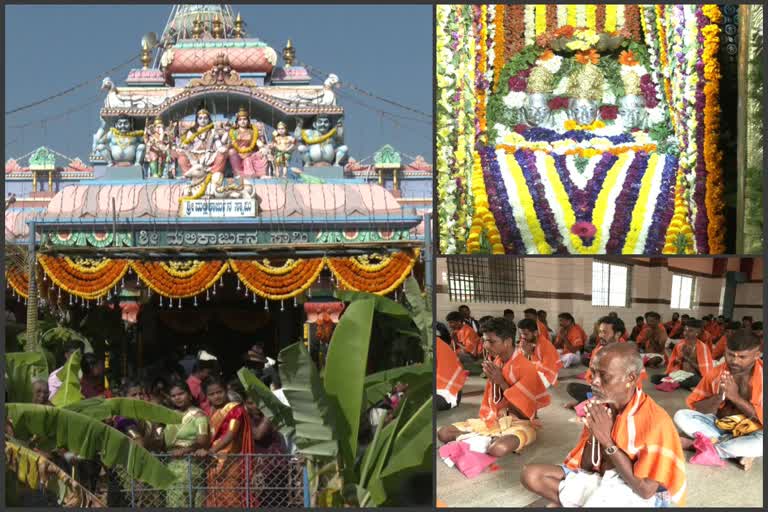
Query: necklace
(190, 138)
(596, 456)
(318, 140)
(247, 149)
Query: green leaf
(57, 336)
(421, 314)
(21, 368)
(345, 372)
(379, 384)
(69, 392)
(412, 446)
(381, 448)
(87, 437)
(312, 412)
(382, 304)
(102, 408)
(278, 413)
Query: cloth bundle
(738, 425)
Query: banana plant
(325, 413)
(20, 369)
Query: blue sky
(386, 50)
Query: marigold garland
(86, 285)
(318, 140)
(273, 286)
(361, 263)
(380, 283)
(160, 277)
(483, 219)
(119, 134)
(247, 149)
(191, 137)
(498, 43)
(17, 279)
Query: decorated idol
(120, 145)
(586, 92)
(282, 146)
(632, 105)
(201, 149)
(536, 111)
(322, 145)
(158, 142)
(248, 151)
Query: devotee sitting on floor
(719, 349)
(610, 329)
(464, 340)
(483, 321)
(469, 319)
(757, 329)
(690, 360)
(746, 322)
(570, 340)
(513, 394)
(541, 315)
(675, 326)
(545, 356)
(629, 453)
(509, 315)
(726, 408)
(639, 324)
(652, 339)
(451, 377)
(542, 328)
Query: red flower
(558, 102)
(517, 84)
(583, 229)
(520, 128)
(609, 112)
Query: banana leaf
(421, 314)
(69, 392)
(34, 470)
(51, 339)
(379, 384)
(21, 368)
(380, 448)
(313, 414)
(87, 437)
(412, 445)
(345, 373)
(278, 413)
(102, 408)
(382, 304)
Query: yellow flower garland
(266, 267)
(190, 138)
(529, 211)
(86, 269)
(319, 265)
(591, 16)
(679, 224)
(318, 140)
(541, 18)
(371, 267)
(394, 286)
(610, 17)
(572, 15)
(250, 147)
(143, 271)
(638, 213)
(483, 218)
(182, 269)
(135, 133)
(570, 124)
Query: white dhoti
(586, 489)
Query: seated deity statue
(248, 154)
(321, 146)
(159, 143)
(282, 147)
(120, 145)
(202, 149)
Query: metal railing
(231, 481)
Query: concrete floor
(728, 487)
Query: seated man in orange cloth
(652, 340)
(513, 394)
(719, 349)
(570, 339)
(727, 405)
(545, 356)
(451, 376)
(675, 326)
(464, 340)
(629, 453)
(690, 360)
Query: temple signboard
(219, 208)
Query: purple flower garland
(498, 201)
(625, 203)
(527, 160)
(583, 201)
(665, 207)
(700, 188)
(538, 134)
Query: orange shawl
(674, 329)
(708, 386)
(450, 374)
(546, 359)
(526, 392)
(468, 338)
(719, 349)
(576, 337)
(542, 329)
(646, 433)
(703, 358)
(644, 337)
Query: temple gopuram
(219, 201)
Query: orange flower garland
(498, 44)
(381, 282)
(482, 52)
(82, 281)
(265, 282)
(712, 155)
(17, 280)
(164, 280)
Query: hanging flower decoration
(88, 279)
(17, 279)
(380, 282)
(179, 280)
(278, 283)
(483, 220)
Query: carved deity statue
(159, 144)
(202, 149)
(585, 89)
(120, 144)
(536, 110)
(322, 145)
(282, 146)
(248, 150)
(632, 110)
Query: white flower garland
(581, 15)
(620, 16)
(514, 200)
(554, 204)
(562, 15)
(515, 99)
(530, 23)
(650, 205)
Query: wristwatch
(611, 449)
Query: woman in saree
(270, 468)
(231, 443)
(183, 439)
